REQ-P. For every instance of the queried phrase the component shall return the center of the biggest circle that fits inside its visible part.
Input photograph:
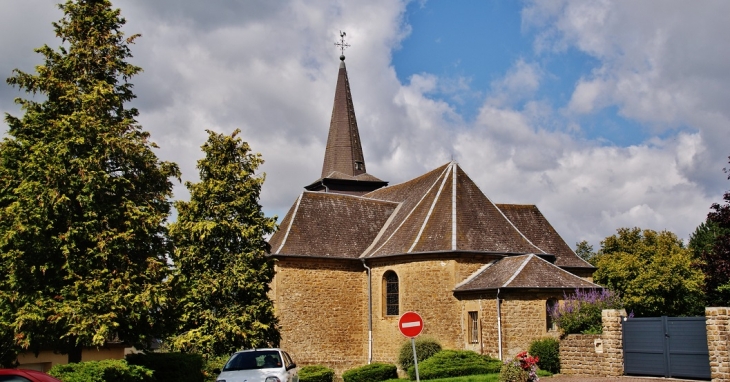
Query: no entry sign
(410, 324)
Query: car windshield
(259, 359)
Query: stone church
(353, 254)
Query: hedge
(452, 363)
(171, 367)
(371, 373)
(110, 370)
(426, 347)
(316, 373)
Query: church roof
(333, 225)
(532, 223)
(440, 211)
(521, 272)
(444, 210)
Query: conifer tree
(83, 198)
(222, 272)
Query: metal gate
(666, 347)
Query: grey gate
(666, 347)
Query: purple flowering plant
(580, 311)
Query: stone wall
(322, 311)
(718, 338)
(597, 354)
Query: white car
(259, 365)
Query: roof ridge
(571, 274)
(475, 274)
(383, 228)
(291, 222)
(518, 270)
(411, 211)
(430, 210)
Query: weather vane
(342, 44)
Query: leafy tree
(222, 271)
(651, 271)
(711, 241)
(584, 250)
(83, 198)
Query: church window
(358, 165)
(473, 327)
(550, 305)
(391, 293)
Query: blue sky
(604, 114)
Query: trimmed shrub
(494, 365)
(548, 352)
(425, 348)
(371, 373)
(170, 367)
(316, 373)
(109, 370)
(451, 363)
(580, 313)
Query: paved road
(573, 378)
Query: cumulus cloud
(269, 68)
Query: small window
(473, 327)
(550, 306)
(359, 165)
(391, 293)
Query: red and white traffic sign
(410, 324)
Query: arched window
(550, 305)
(390, 281)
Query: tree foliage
(83, 198)
(651, 271)
(222, 271)
(711, 241)
(584, 250)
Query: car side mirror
(291, 366)
(217, 371)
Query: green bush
(425, 348)
(548, 351)
(493, 364)
(512, 372)
(316, 373)
(371, 373)
(213, 366)
(451, 363)
(110, 370)
(170, 367)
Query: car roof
(29, 373)
(257, 349)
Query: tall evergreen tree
(83, 198)
(712, 241)
(222, 272)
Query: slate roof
(333, 225)
(440, 211)
(522, 272)
(532, 223)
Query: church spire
(344, 150)
(343, 169)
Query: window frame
(388, 294)
(550, 324)
(473, 327)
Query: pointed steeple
(344, 150)
(343, 169)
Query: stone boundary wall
(718, 337)
(595, 354)
(602, 354)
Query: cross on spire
(342, 44)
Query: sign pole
(415, 359)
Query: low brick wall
(595, 354)
(718, 337)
